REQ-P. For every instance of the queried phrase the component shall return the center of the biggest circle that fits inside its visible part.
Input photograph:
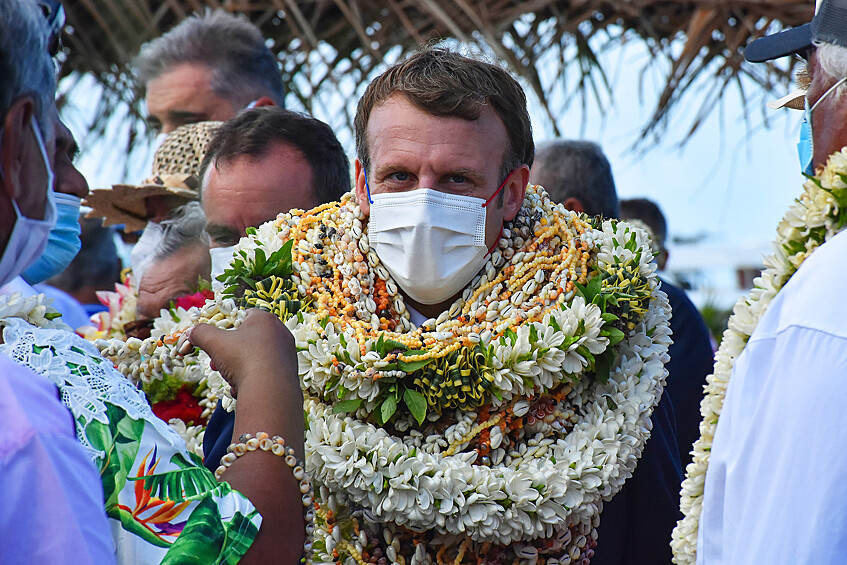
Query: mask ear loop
(370, 200)
(487, 202)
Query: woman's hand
(259, 352)
(259, 359)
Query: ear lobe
(574, 204)
(361, 188)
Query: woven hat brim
(124, 203)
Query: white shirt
(776, 488)
(51, 498)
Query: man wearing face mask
(776, 483)
(52, 509)
(263, 162)
(438, 174)
(63, 244)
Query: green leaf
(608, 317)
(251, 230)
(416, 403)
(202, 538)
(179, 484)
(615, 336)
(259, 260)
(603, 365)
(349, 405)
(409, 367)
(388, 408)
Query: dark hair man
(437, 122)
(263, 162)
(647, 211)
(636, 525)
(452, 125)
(207, 68)
(577, 174)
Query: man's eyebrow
(222, 233)
(185, 117)
(470, 173)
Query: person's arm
(259, 360)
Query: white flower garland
(36, 310)
(543, 483)
(812, 220)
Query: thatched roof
(322, 42)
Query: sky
(729, 184)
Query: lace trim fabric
(85, 381)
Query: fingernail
(184, 346)
(212, 366)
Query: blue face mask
(805, 149)
(63, 243)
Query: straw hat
(176, 170)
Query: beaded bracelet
(276, 445)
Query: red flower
(197, 299)
(184, 406)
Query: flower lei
(492, 432)
(817, 216)
(35, 310)
(183, 400)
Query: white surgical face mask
(221, 258)
(29, 237)
(432, 243)
(142, 251)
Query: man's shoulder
(812, 297)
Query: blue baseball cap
(829, 25)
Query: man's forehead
(397, 128)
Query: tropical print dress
(162, 504)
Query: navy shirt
(218, 436)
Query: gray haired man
(52, 509)
(776, 486)
(207, 68)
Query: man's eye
(399, 176)
(154, 125)
(457, 179)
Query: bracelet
(276, 445)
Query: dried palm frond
(332, 47)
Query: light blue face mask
(806, 145)
(805, 150)
(63, 243)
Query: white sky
(731, 181)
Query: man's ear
(264, 101)
(361, 187)
(574, 204)
(514, 192)
(13, 148)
